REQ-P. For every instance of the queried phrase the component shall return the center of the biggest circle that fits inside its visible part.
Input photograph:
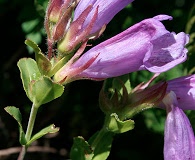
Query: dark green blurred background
(77, 112)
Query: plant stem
(22, 153)
(31, 122)
(98, 138)
(101, 144)
(29, 130)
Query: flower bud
(89, 22)
(55, 11)
(75, 34)
(57, 20)
(127, 105)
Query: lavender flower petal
(106, 11)
(179, 141)
(184, 88)
(146, 45)
(168, 51)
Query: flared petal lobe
(168, 51)
(179, 141)
(146, 45)
(106, 11)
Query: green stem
(98, 138)
(31, 122)
(29, 130)
(101, 144)
(104, 132)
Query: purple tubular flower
(179, 141)
(146, 45)
(184, 88)
(106, 11)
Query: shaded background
(77, 111)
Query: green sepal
(120, 82)
(44, 90)
(101, 143)
(114, 124)
(43, 62)
(50, 129)
(15, 113)
(81, 150)
(58, 65)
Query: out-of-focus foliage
(77, 112)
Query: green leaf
(41, 6)
(28, 26)
(43, 62)
(50, 129)
(81, 150)
(29, 73)
(34, 36)
(115, 125)
(155, 120)
(44, 90)
(39, 89)
(15, 113)
(101, 143)
(33, 45)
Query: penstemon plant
(147, 45)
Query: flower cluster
(147, 45)
(144, 46)
(89, 21)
